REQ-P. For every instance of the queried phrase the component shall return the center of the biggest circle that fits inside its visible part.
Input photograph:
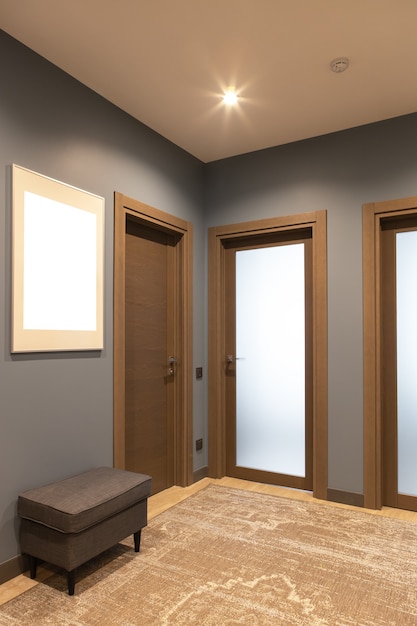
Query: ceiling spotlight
(230, 96)
(339, 65)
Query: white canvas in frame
(57, 265)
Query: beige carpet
(230, 557)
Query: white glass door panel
(270, 365)
(406, 304)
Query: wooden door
(265, 464)
(393, 493)
(218, 296)
(149, 343)
(152, 326)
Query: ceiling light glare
(230, 96)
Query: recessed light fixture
(339, 65)
(230, 96)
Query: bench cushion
(76, 503)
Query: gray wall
(339, 173)
(56, 411)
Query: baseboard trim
(199, 474)
(345, 497)
(12, 568)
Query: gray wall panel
(56, 410)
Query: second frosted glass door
(270, 359)
(399, 361)
(406, 266)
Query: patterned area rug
(228, 557)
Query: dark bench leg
(71, 582)
(32, 566)
(136, 537)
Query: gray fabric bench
(67, 523)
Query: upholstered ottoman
(69, 522)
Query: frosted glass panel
(407, 361)
(270, 366)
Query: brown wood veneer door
(148, 346)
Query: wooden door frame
(183, 330)
(216, 285)
(372, 215)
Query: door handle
(230, 358)
(171, 362)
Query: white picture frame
(57, 265)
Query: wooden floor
(164, 500)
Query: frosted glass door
(270, 359)
(406, 273)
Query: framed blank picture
(57, 265)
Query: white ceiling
(166, 63)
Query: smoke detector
(339, 65)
